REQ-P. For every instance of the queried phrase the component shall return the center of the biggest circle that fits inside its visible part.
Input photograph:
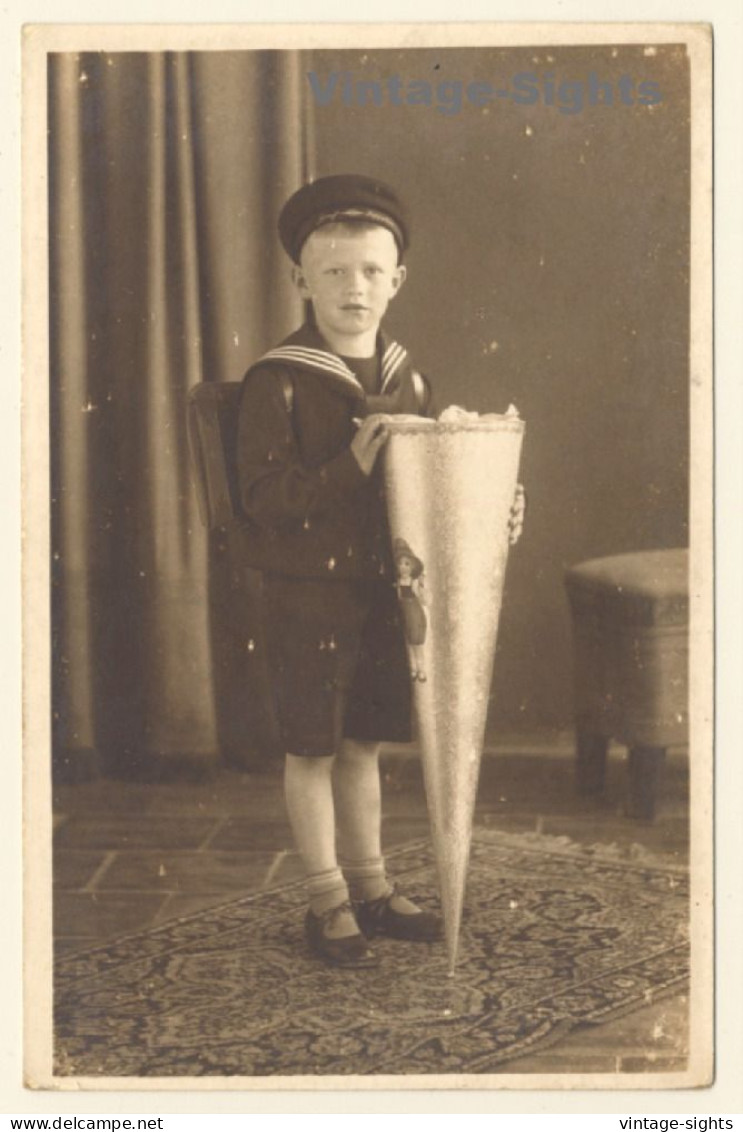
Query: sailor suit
(316, 526)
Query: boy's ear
(401, 273)
(300, 282)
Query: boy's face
(350, 277)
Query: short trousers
(337, 661)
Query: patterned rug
(553, 936)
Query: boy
(310, 431)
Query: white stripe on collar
(318, 359)
(393, 358)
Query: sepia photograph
(369, 556)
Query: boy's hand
(366, 444)
(516, 516)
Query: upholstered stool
(630, 623)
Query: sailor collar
(307, 350)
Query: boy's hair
(349, 227)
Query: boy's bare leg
(309, 803)
(308, 791)
(358, 801)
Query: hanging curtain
(166, 173)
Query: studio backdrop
(165, 170)
(548, 268)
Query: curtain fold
(166, 175)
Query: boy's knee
(358, 749)
(316, 767)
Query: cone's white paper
(450, 487)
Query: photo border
(41, 39)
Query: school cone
(450, 488)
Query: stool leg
(645, 765)
(590, 762)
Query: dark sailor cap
(345, 197)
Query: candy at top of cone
(450, 485)
(455, 418)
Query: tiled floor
(130, 855)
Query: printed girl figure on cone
(411, 591)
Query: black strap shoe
(337, 951)
(378, 917)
